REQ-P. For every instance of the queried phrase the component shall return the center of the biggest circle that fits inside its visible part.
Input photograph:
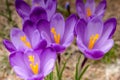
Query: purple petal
(17, 62)
(46, 37)
(101, 8)
(41, 45)
(15, 36)
(108, 31)
(108, 44)
(9, 46)
(90, 4)
(59, 48)
(23, 9)
(95, 26)
(80, 9)
(94, 54)
(28, 28)
(43, 25)
(69, 30)
(44, 28)
(110, 24)
(58, 23)
(36, 39)
(50, 8)
(80, 29)
(38, 13)
(48, 58)
(36, 59)
(81, 45)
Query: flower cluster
(45, 34)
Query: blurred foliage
(6, 13)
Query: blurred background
(107, 68)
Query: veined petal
(80, 9)
(101, 8)
(108, 44)
(108, 31)
(69, 30)
(91, 5)
(50, 8)
(22, 8)
(38, 13)
(16, 36)
(95, 26)
(58, 23)
(48, 58)
(28, 28)
(9, 45)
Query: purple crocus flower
(40, 8)
(33, 65)
(58, 33)
(94, 38)
(28, 39)
(88, 10)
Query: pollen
(88, 11)
(56, 36)
(34, 66)
(93, 40)
(24, 40)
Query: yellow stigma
(92, 41)
(56, 36)
(24, 40)
(34, 66)
(88, 11)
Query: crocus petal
(81, 45)
(28, 28)
(108, 44)
(18, 64)
(110, 24)
(44, 28)
(37, 77)
(80, 9)
(35, 40)
(50, 8)
(69, 30)
(36, 59)
(15, 36)
(16, 59)
(48, 57)
(43, 25)
(90, 4)
(21, 72)
(59, 48)
(9, 46)
(95, 26)
(46, 37)
(108, 31)
(80, 29)
(58, 23)
(101, 8)
(94, 54)
(38, 13)
(22, 8)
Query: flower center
(88, 11)
(33, 65)
(56, 36)
(24, 40)
(93, 40)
